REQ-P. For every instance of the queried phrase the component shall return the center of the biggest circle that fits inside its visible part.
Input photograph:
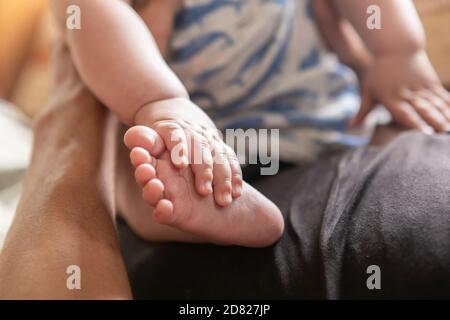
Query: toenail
(208, 187)
(208, 174)
(227, 197)
(150, 134)
(228, 187)
(238, 189)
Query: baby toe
(139, 156)
(144, 173)
(203, 180)
(222, 192)
(146, 138)
(163, 212)
(153, 191)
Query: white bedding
(15, 149)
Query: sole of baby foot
(251, 220)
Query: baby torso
(262, 64)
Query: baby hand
(407, 85)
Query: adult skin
(65, 215)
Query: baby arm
(401, 29)
(400, 75)
(119, 60)
(117, 57)
(340, 37)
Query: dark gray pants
(387, 206)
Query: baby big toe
(146, 138)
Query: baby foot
(251, 220)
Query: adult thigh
(386, 229)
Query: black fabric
(386, 206)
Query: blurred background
(26, 33)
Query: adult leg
(65, 216)
(390, 211)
